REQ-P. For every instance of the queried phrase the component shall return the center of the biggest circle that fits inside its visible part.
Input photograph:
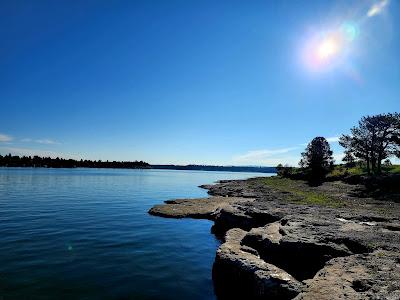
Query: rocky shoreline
(275, 247)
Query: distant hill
(216, 168)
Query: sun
(327, 49)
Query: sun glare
(330, 48)
(327, 49)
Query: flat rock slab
(365, 276)
(200, 208)
(276, 248)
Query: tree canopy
(48, 162)
(374, 139)
(317, 158)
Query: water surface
(86, 234)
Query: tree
(318, 158)
(279, 169)
(302, 163)
(284, 171)
(387, 163)
(48, 162)
(374, 139)
(358, 144)
(348, 158)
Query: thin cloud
(41, 141)
(333, 139)
(47, 142)
(272, 157)
(269, 157)
(26, 140)
(257, 154)
(338, 157)
(4, 138)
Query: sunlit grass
(298, 192)
(342, 170)
(395, 169)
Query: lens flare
(333, 47)
(321, 51)
(327, 49)
(350, 31)
(377, 8)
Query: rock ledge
(275, 249)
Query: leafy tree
(374, 139)
(348, 158)
(284, 171)
(387, 163)
(279, 169)
(302, 163)
(318, 158)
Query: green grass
(395, 169)
(298, 192)
(341, 170)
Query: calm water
(86, 234)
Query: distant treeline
(216, 168)
(48, 162)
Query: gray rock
(364, 276)
(276, 248)
(238, 271)
(201, 208)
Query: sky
(204, 82)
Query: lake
(86, 234)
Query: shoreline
(278, 247)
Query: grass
(300, 193)
(341, 170)
(395, 169)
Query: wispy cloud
(269, 157)
(377, 8)
(259, 154)
(41, 141)
(272, 157)
(47, 142)
(5, 138)
(333, 139)
(338, 157)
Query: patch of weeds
(380, 254)
(382, 210)
(298, 193)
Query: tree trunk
(373, 151)
(379, 163)
(373, 163)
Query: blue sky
(210, 82)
